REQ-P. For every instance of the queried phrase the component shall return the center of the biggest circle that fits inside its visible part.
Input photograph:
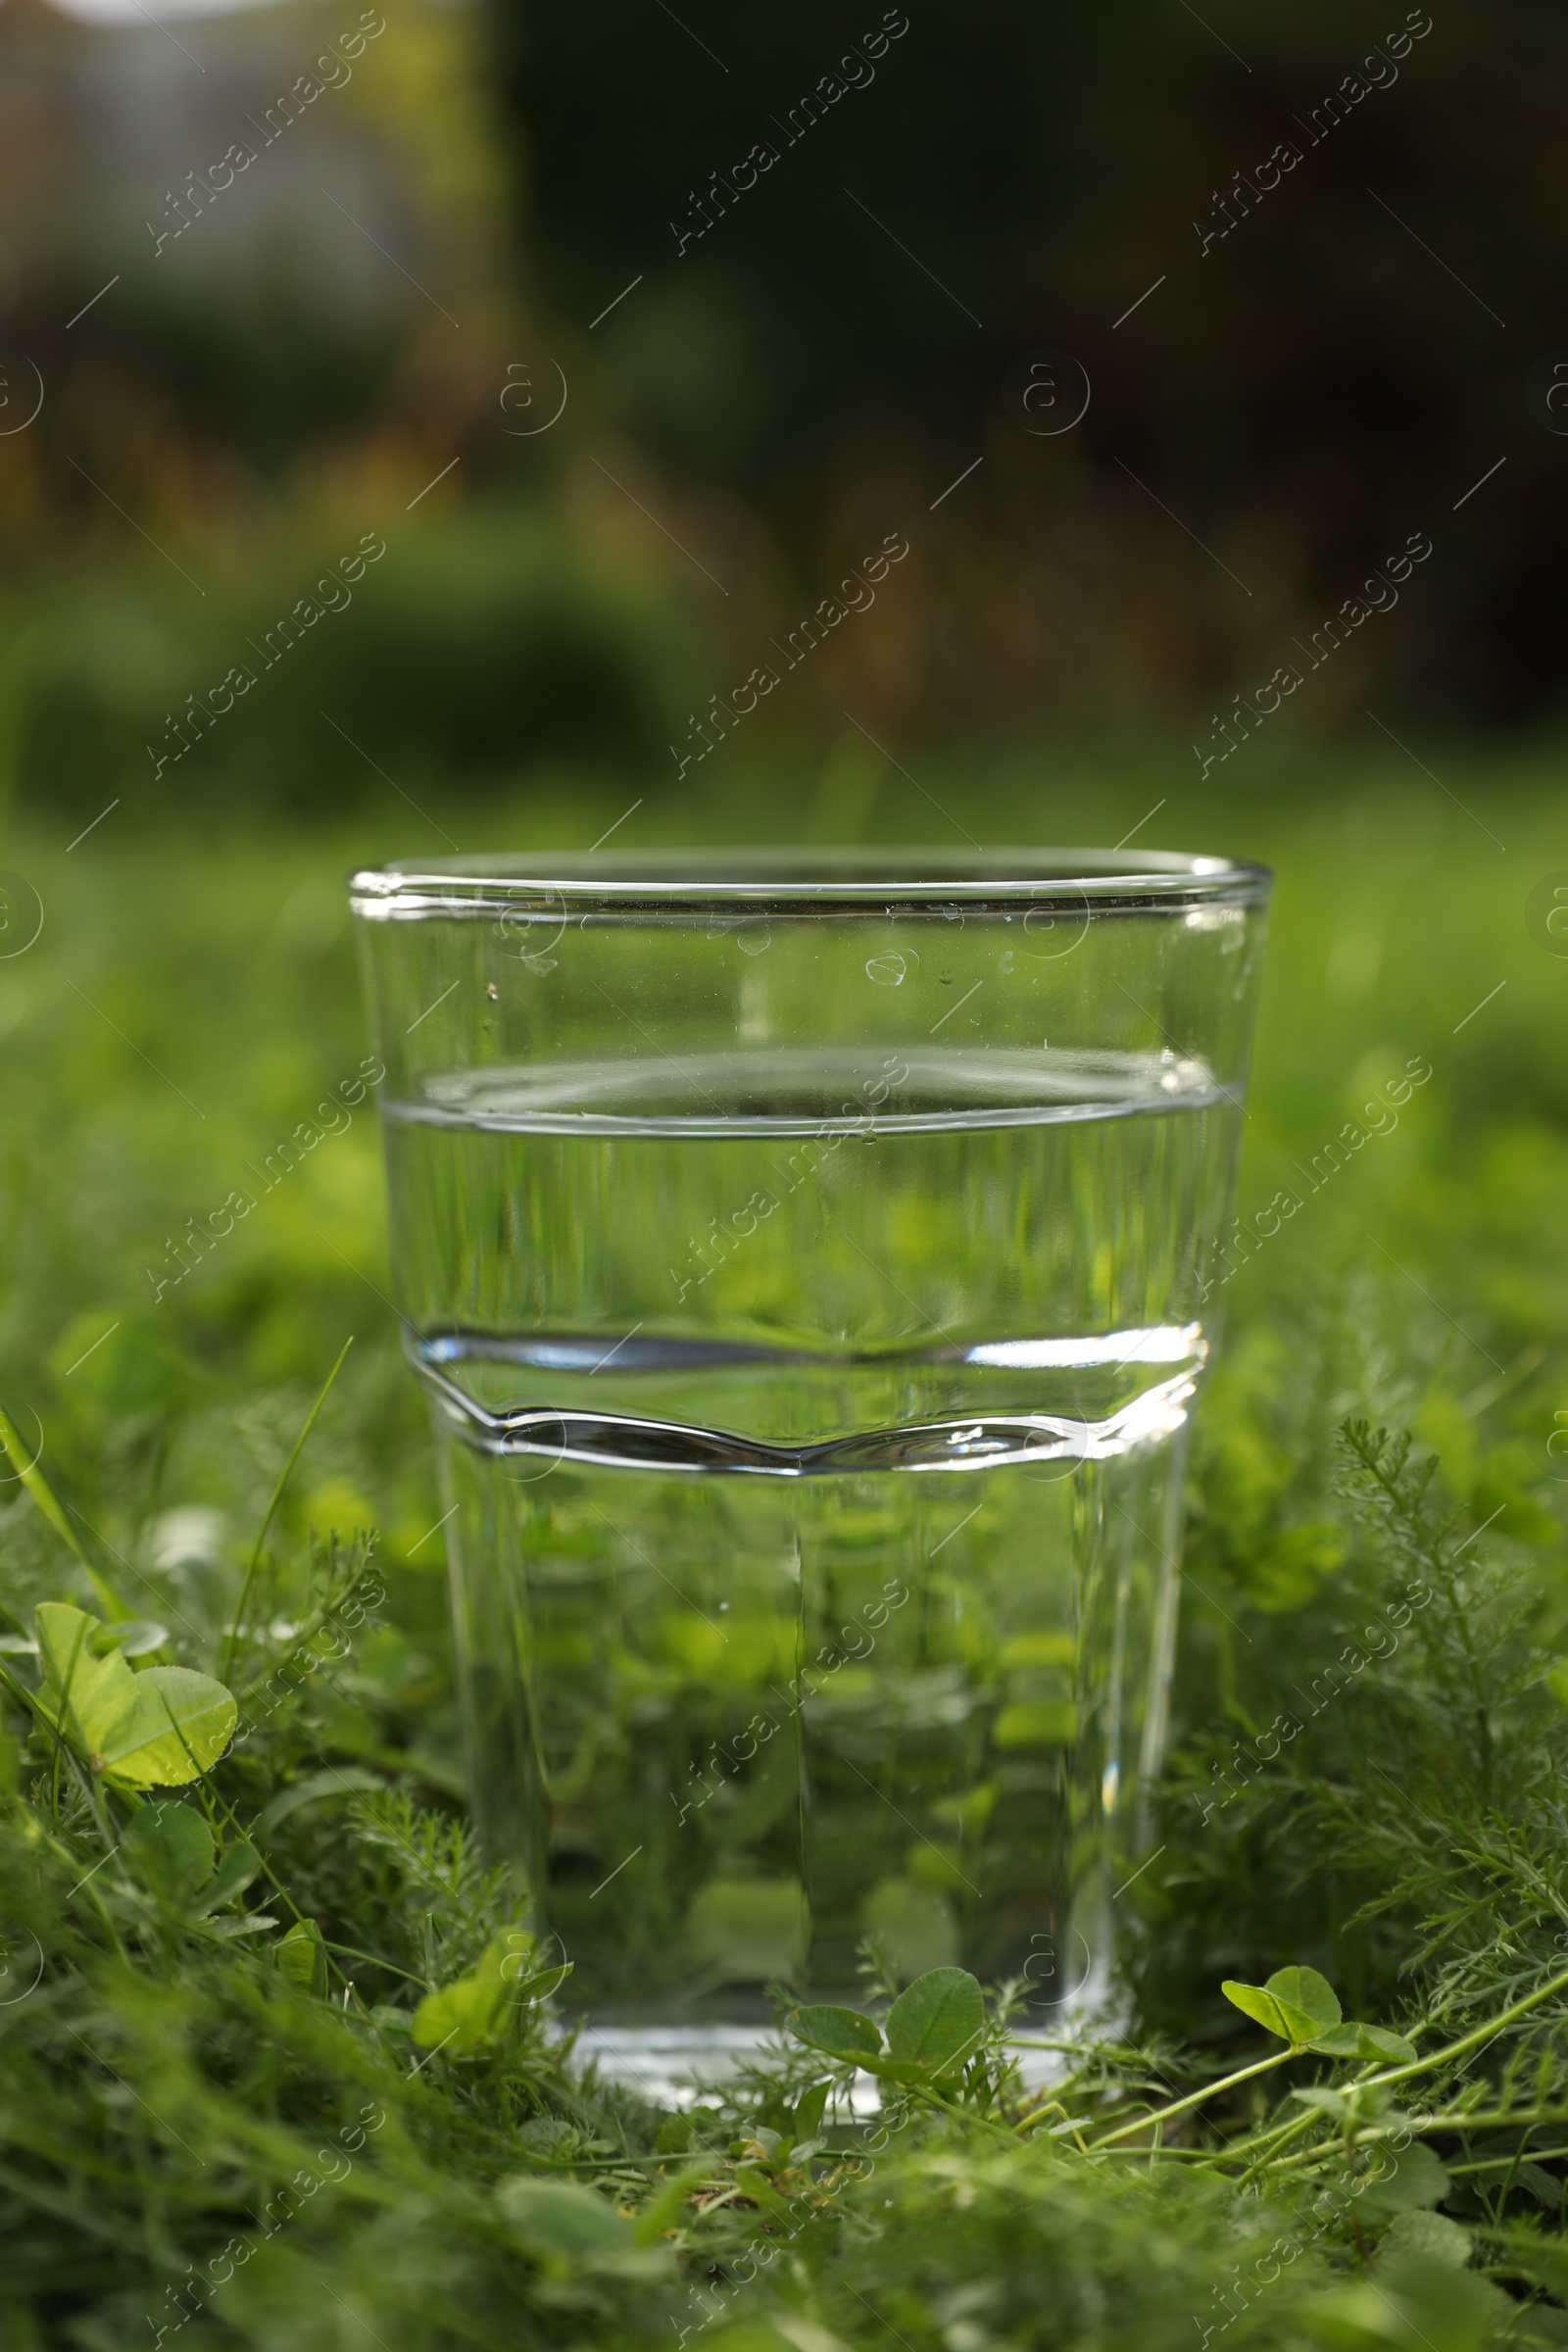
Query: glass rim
(806, 880)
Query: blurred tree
(1329, 348)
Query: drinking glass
(805, 1258)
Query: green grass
(190, 1001)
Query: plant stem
(1271, 2141)
(1472, 2040)
(1470, 2120)
(423, 1983)
(1194, 2098)
(1500, 2120)
(1044, 2104)
(1491, 2164)
(963, 2115)
(1264, 2143)
(1069, 2124)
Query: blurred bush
(473, 649)
(769, 372)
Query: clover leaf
(1408, 2181)
(239, 1866)
(487, 2003)
(1354, 2040)
(1302, 2009)
(937, 2020)
(559, 2221)
(1296, 2005)
(1376, 2041)
(301, 1956)
(160, 1729)
(933, 2025)
(172, 1850)
(845, 2034)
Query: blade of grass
(43, 1495)
(237, 1627)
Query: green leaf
(559, 2221)
(1408, 2181)
(174, 1727)
(489, 2000)
(134, 1638)
(76, 1677)
(1291, 2025)
(543, 1982)
(239, 1866)
(1332, 2103)
(1305, 1989)
(1376, 2041)
(171, 1849)
(1424, 2305)
(338, 1780)
(840, 2032)
(937, 2020)
(302, 1957)
(1296, 2005)
(807, 2121)
(157, 1729)
(1372, 2042)
(1429, 2235)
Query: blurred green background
(630, 330)
(491, 294)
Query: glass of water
(804, 1259)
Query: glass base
(677, 2067)
(673, 2066)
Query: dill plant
(279, 2060)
